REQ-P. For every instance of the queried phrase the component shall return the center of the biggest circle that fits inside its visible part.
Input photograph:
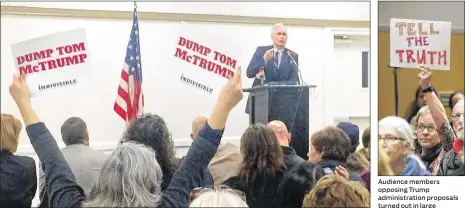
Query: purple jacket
(413, 168)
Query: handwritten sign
(417, 42)
(202, 60)
(53, 61)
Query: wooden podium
(285, 102)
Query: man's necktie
(276, 59)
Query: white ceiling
(439, 11)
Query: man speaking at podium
(274, 63)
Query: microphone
(296, 66)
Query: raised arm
(438, 112)
(204, 147)
(59, 179)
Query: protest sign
(417, 42)
(53, 61)
(203, 61)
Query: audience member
(84, 161)
(365, 151)
(329, 148)
(336, 191)
(262, 167)
(454, 98)
(384, 163)
(127, 183)
(18, 182)
(219, 196)
(151, 130)
(417, 104)
(291, 159)
(227, 160)
(353, 132)
(452, 162)
(434, 131)
(395, 138)
(64, 191)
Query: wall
(439, 11)
(303, 10)
(407, 78)
(347, 74)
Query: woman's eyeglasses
(197, 191)
(456, 116)
(421, 128)
(389, 139)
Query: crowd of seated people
(142, 171)
(429, 144)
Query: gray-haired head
(130, 177)
(74, 131)
(400, 125)
(278, 25)
(218, 198)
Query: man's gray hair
(73, 131)
(130, 177)
(400, 125)
(278, 25)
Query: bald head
(197, 124)
(280, 130)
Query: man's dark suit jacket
(286, 71)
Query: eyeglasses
(197, 191)
(389, 139)
(421, 128)
(456, 116)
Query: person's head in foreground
(74, 131)
(458, 125)
(11, 127)
(151, 130)
(395, 138)
(455, 97)
(366, 141)
(280, 130)
(384, 163)
(336, 191)
(352, 131)
(130, 177)
(426, 130)
(197, 124)
(330, 143)
(262, 155)
(279, 35)
(221, 196)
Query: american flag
(130, 100)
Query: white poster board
(203, 61)
(417, 42)
(53, 61)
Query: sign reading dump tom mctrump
(202, 60)
(417, 42)
(53, 61)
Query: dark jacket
(206, 176)
(18, 180)
(285, 72)
(450, 162)
(332, 164)
(291, 159)
(259, 194)
(63, 190)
